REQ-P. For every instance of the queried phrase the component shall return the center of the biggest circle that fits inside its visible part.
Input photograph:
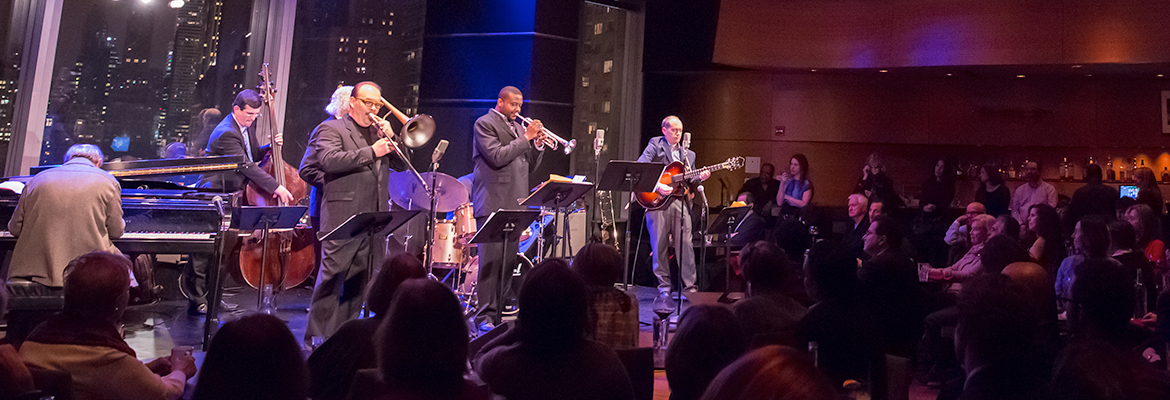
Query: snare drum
(444, 253)
(464, 224)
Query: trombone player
(504, 152)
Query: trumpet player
(504, 152)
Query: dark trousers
(196, 275)
(341, 284)
(490, 264)
(666, 226)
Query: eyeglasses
(371, 104)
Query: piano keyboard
(149, 235)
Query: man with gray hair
(65, 212)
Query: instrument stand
(725, 223)
(558, 196)
(372, 224)
(629, 176)
(501, 227)
(265, 219)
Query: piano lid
(165, 166)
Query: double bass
(291, 255)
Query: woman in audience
(1148, 192)
(1122, 241)
(796, 188)
(1006, 225)
(939, 190)
(875, 183)
(613, 314)
(550, 357)
(838, 323)
(771, 373)
(1091, 242)
(708, 338)
(1148, 228)
(971, 264)
(1043, 236)
(333, 365)
(254, 357)
(422, 346)
(992, 192)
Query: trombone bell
(417, 131)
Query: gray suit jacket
(502, 159)
(658, 150)
(352, 179)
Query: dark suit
(664, 226)
(353, 181)
(854, 241)
(227, 140)
(888, 286)
(502, 160)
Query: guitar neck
(692, 173)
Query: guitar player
(669, 223)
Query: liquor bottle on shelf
(1064, 173)
(1011, 169)
(1165, 175)
(1121, 175)
(1110, 174)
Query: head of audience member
(1043, 221)
(771, 373)
(830, 273)
(1032, 172)
(1032, 276)
(876, 209)
(599, 264)
(765, 267)
(874, 164)
(365, 99)
(246, 107)
(1093, 173)
(944, 171)
(974, 208)
(746, 198)
(997, 323)
(858, 207)
(1146, 224)
(767, 172)
(97, 286)
(1091, 237)
(883, 234)
(253, 357)
(1103, 300)
(86, 151)
(422, 344)
(980, 229)
(989, 176)
(394, 271)
(672, 129)
(1006, 225)
(707, 340)
(999, 251)
(1145, 179)
(798, 167)
(1123, 205)
(339, 102)
(553, 307)
(1121, 236)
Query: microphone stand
(431, 228)
(597, 176)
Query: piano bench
(29, 304)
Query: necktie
(515, 128)
(247, 143)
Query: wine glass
(663, 306)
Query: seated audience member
(971, 263)
(1034, 191)
(421, 347)
(938, 191)
(1122, 241)
(999, 252)
(876, 209)
(1148, 192)
(1148, 227)
(957, 233)
(858, 211)
(1090, 241)
(613, 314)
(996, 331)
(254, 357)
(876, 183)
(838, 323)
(84, 339)
(888, 285)
(549, 356)
(1007, 226)
(1042, 234)
(751, 226)
(763, 188)
(1039, 284)
(992, 192)
(708, 338)
(1095, 198)
(1096, 364)
(766, 311)
(333, 365)
(771, 373)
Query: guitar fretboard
(692, 173)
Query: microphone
(686, 142)
(439, 150)
(599, 142)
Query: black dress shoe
(197, 309)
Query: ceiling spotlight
(884, 70)
(1020, 76)
(1160, 75)
(1076, 66)
(950, 74)
(815, 70)
(177, 3)
(145, 1)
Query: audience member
(796, 190)
(876, 209)
(707, 340)
(992, 191)
(254, 357)
(1148, 228)
(1095, 198)
(1043, 236)
(1034, 191)
(838, 323)
(751, 226)
(1095, 364)
(971, 263)
(613, 314)
(333, 365)
(957, 234)
(888, 284)
(858, 215)
(996, 331)
(549, 356)
(767, 311)
(85, 339)
(938, 191)
(875, 183)
(1090, 241)
(1007, 226)
(1148, 192)
(763, 188)
(771, 373)
(999, 252)
(1122, 241)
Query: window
(598, 27)
(607, 66)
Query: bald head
(1033, 277)
(975, 208)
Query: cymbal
(407, 192)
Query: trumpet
(550, 138)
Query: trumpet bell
(418, 130)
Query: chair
(639, 365)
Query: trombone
(416, 131)
(555, 140)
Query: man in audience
(766, 312)
(751, 226)
(889, 286)
(858, 211)
(1035, 191)
(613, 314)
(763, 188)
(957, 233)
(997, 327)
(1097, 363)
(1095, 198)
(708, 338)
(876, 209)
(838, 323)
(85, 340)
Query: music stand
(725, 223)
(369, 223)
(265, 219)
(558, 196)
(630, 176)
(503, 226)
